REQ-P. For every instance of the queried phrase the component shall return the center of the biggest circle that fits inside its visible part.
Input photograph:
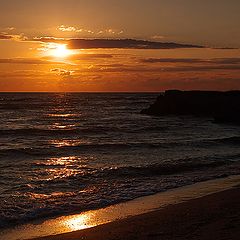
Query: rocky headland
(223, 107)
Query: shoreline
(123, 211)
(215, 216)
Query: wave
(153, 170)
(67, 130)
(52, 149)
(50, 132)
(36, 205)
(229, 140)
(35, 131)
(141, 172)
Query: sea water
(64, 153)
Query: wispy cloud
(5, 36)
(10, 28)
(121, 68)
(64, 28)
(192, 60)
(33, 61)
(16, 37)
(157, 37)
(202, 68)
(109, 31)
(90, 56)
(62, 72)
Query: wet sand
(216, 216)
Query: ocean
(65, 153)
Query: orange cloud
(62, 72)
(66, 28)
(109, 31)
(5, 36)
(16, 37)
(192, 60)
(27, 61)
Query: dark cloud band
(115, 43)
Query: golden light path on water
(142, 205)
(62, 167)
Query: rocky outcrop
(228, 118)
(222, 106)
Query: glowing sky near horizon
(37, 51)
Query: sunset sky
(112, 45)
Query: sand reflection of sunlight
(79, 222)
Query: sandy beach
(215, 216)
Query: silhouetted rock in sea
(232, 119)
(224, 107)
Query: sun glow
(60, 51)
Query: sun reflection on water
(62, 167)
(67, 142)
(62, 126)
(50, 195)
(64, 161)
(63, 115)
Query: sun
(60, 51)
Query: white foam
(123, 210)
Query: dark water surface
(66, 153)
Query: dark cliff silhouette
(224, 107)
